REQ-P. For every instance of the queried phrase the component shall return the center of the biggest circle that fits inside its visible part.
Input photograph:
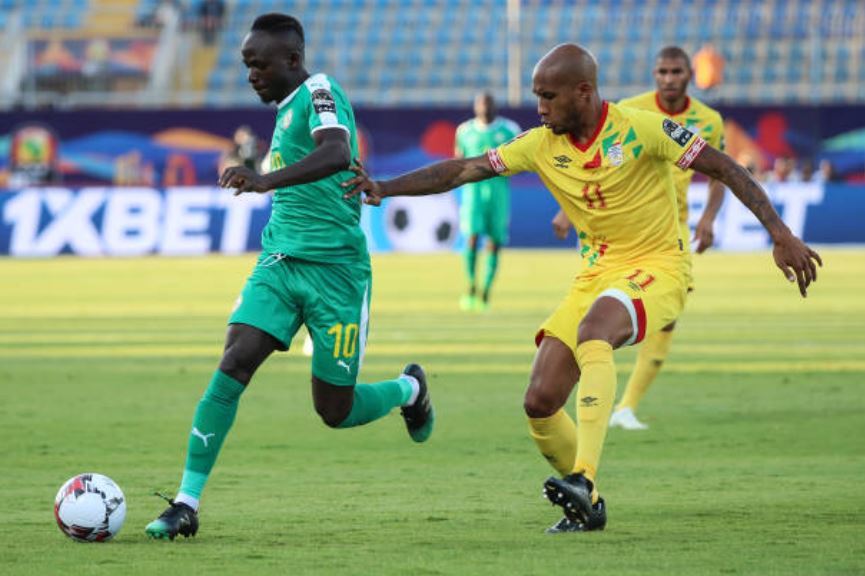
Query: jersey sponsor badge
(615, 155)
(677, 134)
(322, 101)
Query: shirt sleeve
(327, 107)
(667, 139)
(517, 155)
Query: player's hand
(242, 179)
(704, 234)
(796, 261)
(561, 225)
(362, 183)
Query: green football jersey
(474, 139)
(312, 221)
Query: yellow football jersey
(617, 189)
(697, 118)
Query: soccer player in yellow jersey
(672, 74)
(610, 168)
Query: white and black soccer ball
(422, 223)
(90, 508)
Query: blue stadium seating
(408, 47)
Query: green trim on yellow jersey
(617, 189)
(697, 117)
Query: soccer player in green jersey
(485, 208)
(314, 269)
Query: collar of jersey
(594, 136)
(667, 112)
(289, 98)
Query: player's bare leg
(350, 406)
(554, 374)
(606, 326)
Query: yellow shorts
(653, 295)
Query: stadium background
(113, 118)
(145, 94)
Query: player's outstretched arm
(433, 179)
(331, 154)
(792, 256)
(704, 233)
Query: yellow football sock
(556, 437)
(650, 357)
(595, 395)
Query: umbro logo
(562, 161)
(588, 401)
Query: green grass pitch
(754, 462)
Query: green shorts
(331, 299)
(485, 211)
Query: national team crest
(286, 120)
(615, 155)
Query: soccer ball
(90, 508)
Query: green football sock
(213, 419)
(492, 266)
(470, 258)
(372, 401)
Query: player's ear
(585, 90)
(295, 59)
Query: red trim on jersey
(688, 157)
(539, 337)
(670, 112)
(495, 160)
(594, 162)
(641, 319)
(594, 136)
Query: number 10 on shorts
(345, 340)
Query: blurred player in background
(314, 269)
(672, 75)
(610, 168)
(485, 207)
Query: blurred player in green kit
(485, 208)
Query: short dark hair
(275, 23)
(672, 52)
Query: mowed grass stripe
(754, 446)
